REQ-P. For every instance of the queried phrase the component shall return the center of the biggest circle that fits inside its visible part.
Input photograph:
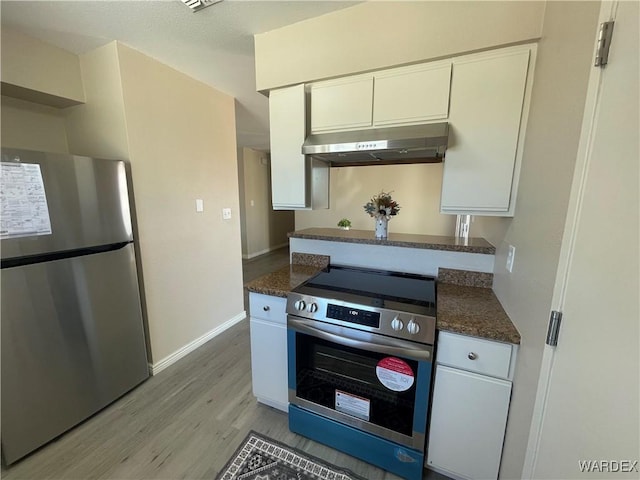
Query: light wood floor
(183, 423)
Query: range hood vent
(380, 146)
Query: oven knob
(300, 305)
(397, 324)
(312, 307)
(413, 327)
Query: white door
(587, 410)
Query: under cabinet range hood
(380, 146)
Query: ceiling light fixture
(196, 5)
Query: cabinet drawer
(268, 308)
(474, 354)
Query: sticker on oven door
(395, 374)
(352, 405)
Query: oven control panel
(353, 315)
(418, 328)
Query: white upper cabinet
(484, 97)
(487, 119)
(405, 95)
(415, 94)
(342, 104)
(296, 182)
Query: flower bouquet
(382, 207)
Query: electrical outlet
(226, 213)
(510, 257)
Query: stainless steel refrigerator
(72, 331)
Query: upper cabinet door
(297, 182)
(342, 104)
(487, 117)
(288, 167)
(412, 94)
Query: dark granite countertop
(473, 311)
(461, 308)
(429, 242)
(283, 280)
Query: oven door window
(372, 386)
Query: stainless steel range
(360, 347)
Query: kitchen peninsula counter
(410, 240)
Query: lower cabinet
(470, 408)
(468, 419)
(268, 326)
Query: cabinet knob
(472, 356)
(266, 308)
(412, 327)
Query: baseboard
(262, 252)
(157, 367)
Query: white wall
(401, 259)
(415, 187)
(98, 128)
(557, 104)
(263, 228)
(182, 146)
(243, 208)
(32, 126)
(36, 70)
(375, 35)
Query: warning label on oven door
(395, 374)
(352, 405)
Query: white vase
(382, 224)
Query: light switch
(226, 213)
(253, 204)
(199, 205)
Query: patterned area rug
(261, 458)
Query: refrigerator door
(85, 201)
(72, 342)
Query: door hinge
(604, 42)
(554, 328)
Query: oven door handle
(391, 346)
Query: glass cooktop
(383, 289)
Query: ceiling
(214, 45)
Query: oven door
(371, 382)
